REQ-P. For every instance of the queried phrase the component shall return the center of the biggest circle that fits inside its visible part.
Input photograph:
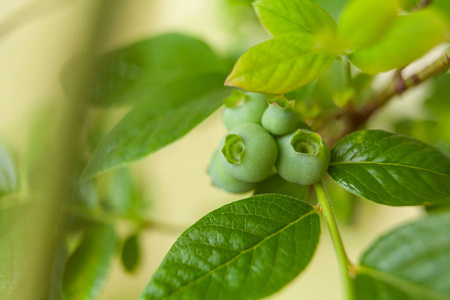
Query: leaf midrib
(387, 164)
(401, 284)
(275, 64)
(287, 18)
(312, 211)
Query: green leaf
(409, 38)
(248, 249)
(333, 7)
(87, 268)
(441, 206)
(142, 71)
(390, 169)
(285, 16)
(363, 22)
(443, 6)
(332, 86)
(124, 196)
(323, 93)
(280, 65)
(362, 83)
(277, 185)
(409, 263)
(430, 132)
(437, 104)
(8, 176)
(152, 125)
(59, 261)
(130, 253)
(240, 2)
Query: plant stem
(345, 266)
(398, 85)
(348, 72)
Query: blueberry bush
(297, 109)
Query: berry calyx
(248, 153)
(243, 108)
(303, 157)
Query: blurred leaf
(285, 16)
(333, 7)
(335, 79)
(124, 196)
(152, 125)
(302, 93)
(14, 250)
(390, 169)
(280, 65)
(8, 176)
(98, 129)
(131, 253)
(443, 6)
(142, 71)
(441, 206)
(277, 185)
(333, 87)
(248, 249)
(324, 92)
(87, 268)
(411, 263)
(86, 194)
(362, 84)
(41, 131)
(240, 2)
(438, 104)
(437, 100)
(409, 38)
(425, 130)
(363, 22)
(59, 263)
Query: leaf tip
(229, 80)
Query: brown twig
(356, 118)
(422, 4)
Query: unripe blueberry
(224, 181)
(303, 157)
(248, 153)
(243, 108)
(279, 118)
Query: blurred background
(171, 187)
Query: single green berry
(248, 153)
(279, 118)
(243, 108)
(303, 157)
(224, 181)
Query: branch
(357, 118)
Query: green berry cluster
(264, 139)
